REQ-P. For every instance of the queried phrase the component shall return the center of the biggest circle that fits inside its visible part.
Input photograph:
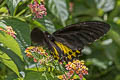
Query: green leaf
(49, 77)
(50, 26)
(10, 43)
(115, 36)
(117, 77)
(39, 25)
(2, 25)
(15, 58)
(12, 4)
(115, 27)
(5, 59)
(3, 10)
(106, 5)
(59, 9)
(84, 79)
(115, 12)
(113, 53)
(84, 9)
(117, 59)
(21, 28)
(99, 63)
(110, 51)
(33, 75)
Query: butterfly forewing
(77, 35)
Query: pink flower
(31, 51)
(78, 67)
(9, 31)
(37, 9)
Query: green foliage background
(102, 57)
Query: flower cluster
(75, 67)
(9, 30)
(66, 76)
(35, 52)
(46, 60)
(37, 9)
(31, 49)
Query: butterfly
(66, 44)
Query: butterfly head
(49, 36)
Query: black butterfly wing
(77, 35)
(37, 36)
(66, 44)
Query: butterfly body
(59, 51)
(66, 44)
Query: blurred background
(102, 57)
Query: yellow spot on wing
(69, 57)
(56, 57)
(77, 51)
(58, 44)
(63, 47)
(74, 54)
(55, 51)
(66, 50)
